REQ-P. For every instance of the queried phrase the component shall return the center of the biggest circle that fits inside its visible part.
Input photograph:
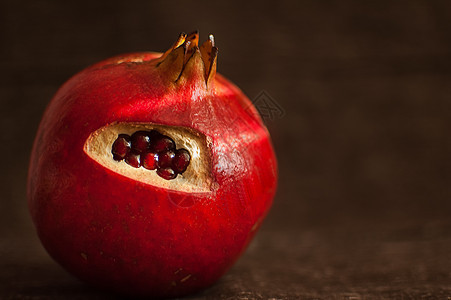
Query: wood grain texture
(363, 207)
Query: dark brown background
(363, 207)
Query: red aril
(140, 141)
(133, 159)
(166, 173)
(149, 160)
(162, 143)
(181, 160)
(121, 147)
(165, 158)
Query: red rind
(135, 238)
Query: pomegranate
(150, 173)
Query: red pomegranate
(150, 173)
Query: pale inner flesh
(196, 178)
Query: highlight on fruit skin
(150, 173)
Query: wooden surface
(364, 201)
(372, 262)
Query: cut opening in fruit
(172, 157)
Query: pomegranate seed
(165, 158)
(133, 159)
(121, 147)
(149, 160)
(153, 134)
(181, 160)
(166, 173)
(140, 141)
(163, 143)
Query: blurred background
(364, 200)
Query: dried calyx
(186, 60)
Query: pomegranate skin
(131, 237)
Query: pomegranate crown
(185, 60)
